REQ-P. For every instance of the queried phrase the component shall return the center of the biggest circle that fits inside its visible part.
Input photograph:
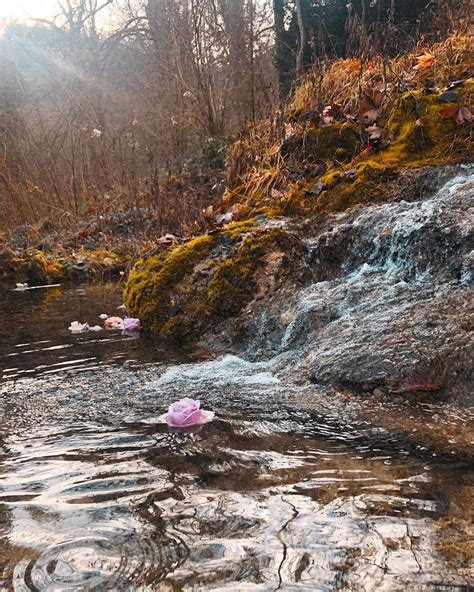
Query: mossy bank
(181, 293)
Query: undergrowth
(350, 126)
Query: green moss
(339, 142)
(364, 185)
(233, 280)
(176, 295)
(436, 141)
(43, 268)
(152, 289)
(236, 229)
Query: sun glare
(24, 9)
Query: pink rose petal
(113, 323)
(186, 412)
(77, 327)
(131, 326)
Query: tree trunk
(302, 40)
(282, 51)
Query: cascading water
(390, 303)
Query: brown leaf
(378, 97)
(464, 115)
(289, 131)
(449, 111)
(277, 194)
(459, 113)
(371, 115)
(208, 212)
(316, 190)
(370, 106)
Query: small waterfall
(390, 302)
(432, 236)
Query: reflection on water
(95, 496)
(93, 507)
(34, 335)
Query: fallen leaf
(208, 212)
(327, 115)
(459, 113)
(449, 111)
(318, 187)
(424, 61)
(371, 115)
(277, 194)
(374, 132)
(464, 115)
(370, 107)
(225, 218)
(316, 190)
(289, 131)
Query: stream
(287, 489)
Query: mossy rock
(43, 268)
(337, 142)
(418, 137)
(179, 295)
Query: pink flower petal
(113, 323)
(76, 327)
(186, 412)
(183, 419)
(130, 325)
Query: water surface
(278, 493)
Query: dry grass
(338, 92)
